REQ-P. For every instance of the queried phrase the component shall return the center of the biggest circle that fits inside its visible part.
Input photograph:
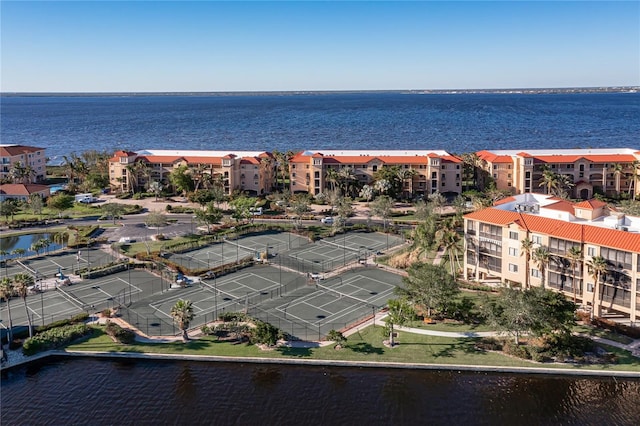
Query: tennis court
(232, 250)
(333, 252)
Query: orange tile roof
(490, 157)
(9, 151)
(594, 158)
(607, 237)
(562, 205)
(22, 189)
(590, 204)
(249, 160)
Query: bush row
(81, 317)
(55, 338)
(122, 335)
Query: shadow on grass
(364, 348)
(295, 352)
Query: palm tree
(617, 173)
(527, 248)
(635, 173)
(598, 267)
(22, 283)
(132, 177)
(331, 177)
(575, 255)
(404, 175)
(182, 313)
(6, 291)
(399, 313)
(549, 180)
(541, 257)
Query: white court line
(127, 282)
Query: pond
(10, 243)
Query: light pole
(208, 261)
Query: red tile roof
(22, 189)
(11, 150)
(590, 204)
(607, 237)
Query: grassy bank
(363, 346)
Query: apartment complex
(430, 171)
(494, 249)
(252, 172)
(607, 171)
(26, 163)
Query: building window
(374, 168)
(590, 287)
(513, 235)
(513, 268)
(591, 251)
(535, 273)
(536, 239)
(513, 251)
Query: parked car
(316, 276)
(328, 220)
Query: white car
(327, 220)
(316, 276)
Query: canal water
(89, 391)
(8, 243)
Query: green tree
(337, 337)
(6, 291)
(8, 208)
(598, 266)
(430, 287)
(400, 312)
(382, 207)
(156, 188)
(241, 208)
(156, 220)
(181, 179)
(113, 210)
(265, 333)
(549, 180)
(36, 204)
(510, 312)
(299, 207)
(209, 216)
(617, 170)
(182, 314)
(22, 282)
(60, 202)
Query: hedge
(55, 338)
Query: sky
(209, 46)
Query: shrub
(169, 207)
(232, 316)
(106, 312)
(122, 335)
(518, 351)
(265, 333)
(632, 332)
(55, 338)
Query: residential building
(29, 161)
(251, 172)
(607, 171)
(21, 191)
(494, 250)
(430, 171)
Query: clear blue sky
(86, 46)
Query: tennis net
(254, 250)
(341, 246)
(341, 295)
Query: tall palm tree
(541, 256)
(132, 177)
(182, 313)
(635, 173)
(617, 169)
(449, 239)
(598, 266)
(22, 282)
(549, 180)
(6, 291)
(404, 175)
(575, 255)
(331, 177)
(527, 247)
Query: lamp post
(215, 297)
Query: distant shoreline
(506, 91)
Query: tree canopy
(431, 288)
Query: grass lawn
(605, 334)
(441, 326)
(363, 346)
